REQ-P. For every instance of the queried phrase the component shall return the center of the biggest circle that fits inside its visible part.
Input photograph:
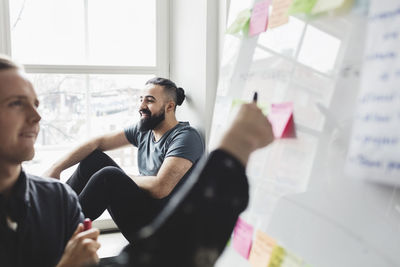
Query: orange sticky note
(281, 118)
(279, 13)
(259, 18)
(242, 237)
(261, 250)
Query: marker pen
(87, 224)
(255, 97)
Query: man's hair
(6, 63)
(176, 93)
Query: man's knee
(113, 175)
(94, 157)
(95, 161)
(112, 172)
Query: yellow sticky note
(261, 250)
(277, 256)
(279, 14)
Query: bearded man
(167, 152)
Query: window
(87, 59)
(79, 32)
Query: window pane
(114, 102)
(122, 32)
(284, 39)
(47, 31)
(76, 107)
(324, 58)
(68, 32)
(62, 107)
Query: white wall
(194, 57)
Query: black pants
(101, 184)
(195, 225)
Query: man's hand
(81, 249)
(249, 131)
(53, 173)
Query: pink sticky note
(281, 118)
(259, 18)
(242, 237)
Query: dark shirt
(44, 214)
(197, 222)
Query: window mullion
(85, 69)
(5, 36)
(88, 107)
(87, 76)
(162, 37)
(86, 23)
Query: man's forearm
(72, 158)
(170, 173)
(150, 184)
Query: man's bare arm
(103, 143)
(171, 172)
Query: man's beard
(151, 122)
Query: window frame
(162, 49)
(160, 69)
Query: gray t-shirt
(181, 141)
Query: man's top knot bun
(180, 96)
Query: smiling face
(152, 107)
(19, 119)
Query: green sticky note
(241, 23)
(302, 6)
(263, 106)
(228, 243)
(237, 102)
(245, 30)
(328, 5)
(292, 260)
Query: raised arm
(103, 143)
(216, 193)
(246, 135)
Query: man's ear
(170, 106)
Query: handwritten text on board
(374, 152)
